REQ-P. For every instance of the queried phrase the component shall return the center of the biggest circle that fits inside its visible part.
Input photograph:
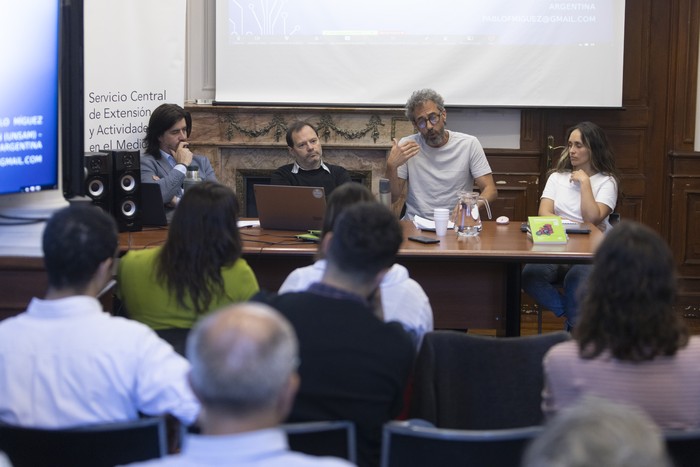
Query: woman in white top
(583, 188)
(402, 298)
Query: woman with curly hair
(197, 270)
(630, 346)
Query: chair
(406, 444)
(683, 447)
(474, 382)
(106, 444)
(325, 438)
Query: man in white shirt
(244, 371)
(65, 362)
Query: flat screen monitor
(40, 146)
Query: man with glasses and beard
(436, 163)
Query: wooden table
(471, 282)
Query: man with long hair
(168, 155)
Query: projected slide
(476, 53)
(29, 96)
(369, 21)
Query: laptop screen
(283, 207)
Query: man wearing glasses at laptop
(436, 163)
(308, 168)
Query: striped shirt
(667, 388)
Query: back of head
(628, 308)
(242, 358)
(420, 97)
(203, 237)
(75, 241)
(596, 432)
(207, 214)
(366, 237)
(162, 119)
(343, 196)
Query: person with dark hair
(582, 188)
(168, 155)
(65, 362)
(244, 371)
(354, 366)
(630, 345)
(402, 298)
(198, 269)
(436, 164)
(308, 168)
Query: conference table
(472, 282)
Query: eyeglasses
(433, 118)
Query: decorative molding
(326, 127)
(326, 124)
(277, 123)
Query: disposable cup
(441, 216)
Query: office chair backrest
(405, 444)
(106, 445)
(325, 438)
(472, 382)
(684, 447)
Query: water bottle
(191, 177)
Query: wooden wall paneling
(684, 84)
(684, 227)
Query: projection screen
(476, 53)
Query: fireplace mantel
(338, 127)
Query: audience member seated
(402, 298)
(244, 372)
(354, 366)
(65, 362)
(597, 432)
(168, 155)
(308, 168)
(630, 345)
(198, 269)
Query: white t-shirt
(567, 195)
(436, 175)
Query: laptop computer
(284, 207)
(152, 207)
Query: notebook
(283, 207)
(152, 208)
(547, 230)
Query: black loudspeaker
(98, 179)
(126, 177)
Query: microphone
(385, 192)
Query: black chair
(473, 382)
(683, 447)
(106, 445)
(324, 438)
(408, 444)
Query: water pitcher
(468, 221)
